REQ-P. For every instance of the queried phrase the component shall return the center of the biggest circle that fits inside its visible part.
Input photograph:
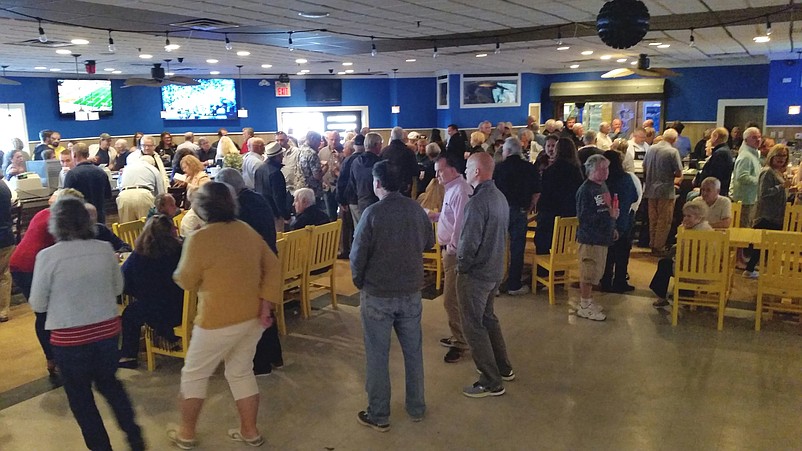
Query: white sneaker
(592, 306)
(751, 274)
(520, 291)
(589, 313)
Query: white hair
(558, 125)
(396, 133)
(670, 135)
(750, 131)
(512, 146)
(305, 195)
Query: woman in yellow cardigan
(236, 276)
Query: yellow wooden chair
(779, 287)
(155, 344)
(324, 244)
(562, 257)
(177, 220)
(293, 255)
(793, 218)
(736, 215)
(128, 231)
(701, 271)
(433, 260)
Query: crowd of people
(481, 191)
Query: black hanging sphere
(622, 23)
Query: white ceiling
(412, 27)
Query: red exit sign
(282, 89)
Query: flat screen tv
(211, 99)
(324, 91)
(86, 95)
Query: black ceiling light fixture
(622, 23)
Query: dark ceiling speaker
(622, 23)
(157, 72)
(284, 78)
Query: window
(298, 121)
(442, 91)
(13, 125)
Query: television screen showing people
(210, 99)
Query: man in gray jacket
(480, 268)
(387, 267)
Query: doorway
(737, 112)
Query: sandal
(172, 434)
(236, 435)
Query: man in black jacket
(90, 180)
(270, 183)
(403, 158)
(456, 147)
(720, 164)
(361, 175)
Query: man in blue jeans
(387, 266)
(519, 181)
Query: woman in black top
(148, 274)
(559, 185)
(436, 138)
(166, 149)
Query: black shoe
(129, 364)
(363, 419)
(453, 355)
(278, 364)
(625, 288)
(660, 303)
(262, 372)
(447, 342)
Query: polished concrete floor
(632, 382)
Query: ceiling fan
(7, 81)
(641, 69)
(159, 78)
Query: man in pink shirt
(449, 226)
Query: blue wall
(694, 95)
(137, 108)
(782, 95)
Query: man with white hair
(307, 213)
(578, 133)
(252, 160)
(361, 176)
(148, 148)
(719, 213)
(122, 149)
(603, 141)
(551, 127)
(660, 166)
(519, 181)
(589, 146)
(486, 128)
(189, 143)
(140, 182)
(247, 133)
(638, 147)
(399, 154)
(745, 175)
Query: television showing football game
(86, 95)
(211, 99)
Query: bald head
(479, 168)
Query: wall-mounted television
(86, 95)
(324, 90)
(211, 99)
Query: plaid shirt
(309, 165)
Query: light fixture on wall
(112, 48)
(241, 112)
(42, 35)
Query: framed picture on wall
(442, 90)
(488, 91)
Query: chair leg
(306, 308)
(675, 307)
(439, 274)
(722, 306)
(282, 325)
(758, 310)
(551, 286)
(149, 352)
(333, 290)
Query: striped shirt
(84, 335)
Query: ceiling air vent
(204, 24)
(50, 44)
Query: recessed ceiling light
(300, 73)
(348, 63)
(40, 68)
(55, 69)
(109, 69)
(145, 56)
(655, 43)
(80, 41)
(212, 61)
(301, 61)
(172, 47)
(214, 72)
(481, 55)
(633, 63)
(563, 47)
(349, 71)
(243, 53)
(574, 66)
(266, 66)
(606, 57)
(117, 72)
(305, 71)
(761, 39)
(411, 60)
(169, 74)
(663, 46)
(587, 52)
(313, 14)
(342, 72)
(621, 60)
(63, 51)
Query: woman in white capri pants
(236, 276)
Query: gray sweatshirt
(387, 253)
(483, 239)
